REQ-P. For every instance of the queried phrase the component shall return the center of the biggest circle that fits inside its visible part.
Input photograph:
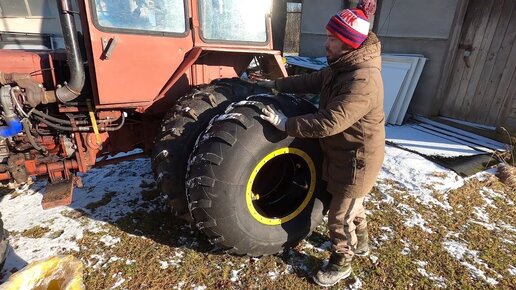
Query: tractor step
(58, 194)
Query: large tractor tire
(4, 244)
(252, 189)
(180, 128)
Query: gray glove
(267, 84)
(274, 116)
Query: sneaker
(337, 269)
(363, 243)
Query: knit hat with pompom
(351, 26)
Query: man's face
(334, 47)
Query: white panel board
(393, 75)
(410, 138)
(410, 92)
(416, 63)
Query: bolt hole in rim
(281, 186)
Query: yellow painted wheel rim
(250, 196)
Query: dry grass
(104, 201)
(152, 251)
(507, 175)
(35, 232)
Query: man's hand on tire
(274, 116)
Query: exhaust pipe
(72, 89)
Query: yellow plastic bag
(55, 273)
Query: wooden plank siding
(481, 87)
(292, 32)
(504, 70)
(495, 57)
(473, 23)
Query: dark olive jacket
(350, 120)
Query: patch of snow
(440, 281)
(421, 264)
(415, 220)
(507, 227)
(273, 275)
(119, 282)
(464, 255)
(163, 264)
(234, 275)
(289, 269)
(489, 195)
(95, 260)
(296, 262)
(386, 197)
(406, 249)
(130, 262)
(325, 246)
(512, 270)
(481, 214)
(489, 227)
(196, 287)
(113, 259)
(480, 274)
(110, 241)
(179, 285)
(387, 235)
(356, 285)
(176, 260)
(373, 258)
(407, 169)
(24, 212)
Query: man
(350, 125)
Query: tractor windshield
(149, 15)
(234, 20)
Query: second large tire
(252, 189)
(179, 131)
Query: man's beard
(331, 60)
(334, 59)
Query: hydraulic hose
(60, 127)
(79, 128)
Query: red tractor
(164, 76)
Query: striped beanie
(351, 26)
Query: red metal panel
(18, 61)
(139, 67)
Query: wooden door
(481, 88)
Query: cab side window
(147, 15)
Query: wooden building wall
(482, 83)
